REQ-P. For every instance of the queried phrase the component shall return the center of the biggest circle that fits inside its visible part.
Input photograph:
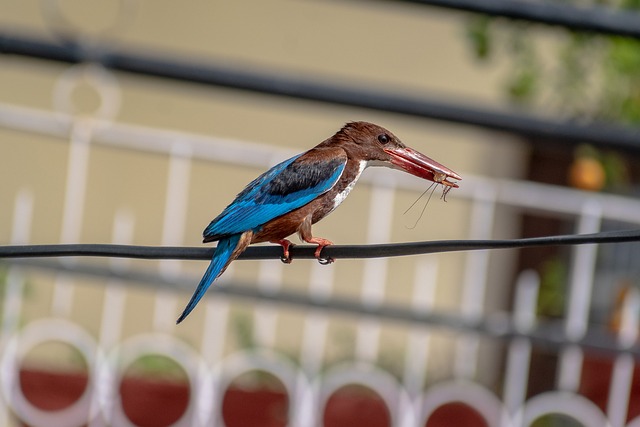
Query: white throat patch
(344, 193)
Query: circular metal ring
(131, 350)
(474, 395)
(381, 382)
(295, 382)
(100, 79)
(39, 332)
(572, 405)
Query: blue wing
(282, 189)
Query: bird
(298, 192)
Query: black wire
(215, 74)
(307, 252)
(598, 19)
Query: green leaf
(522, 85)
(478, 35)
(625, 55)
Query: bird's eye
(383, 138)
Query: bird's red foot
(286, 244)
(321, 244)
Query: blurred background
(137, 122)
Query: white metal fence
(307, 382)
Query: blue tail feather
(219, 261)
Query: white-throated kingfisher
(300, 191)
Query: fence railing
(308, 382)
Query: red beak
(422, 166)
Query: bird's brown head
(379, 147)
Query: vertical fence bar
(114, 298)
(265, 316)
(417, 355)
(14, 284)
(475, 280)
(581, 287)
(214, 331)
(175, 214)
(622, 374)
(20, 231)
(212, 348)
(375, 271)
(316, 322)
(77, 171)
(112, 310)
(519, 351)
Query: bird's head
(379, 147)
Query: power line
(212, 74)
(598, 19)
(306, 251)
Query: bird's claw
(325, 261)
(321, 245)
(286, 258)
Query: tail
(228, 249)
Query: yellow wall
(396, 47)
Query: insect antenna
(432, 187)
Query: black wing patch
(300, 176)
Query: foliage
(553, 277)
(570, 74)
(158, 367)
(579, 75)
